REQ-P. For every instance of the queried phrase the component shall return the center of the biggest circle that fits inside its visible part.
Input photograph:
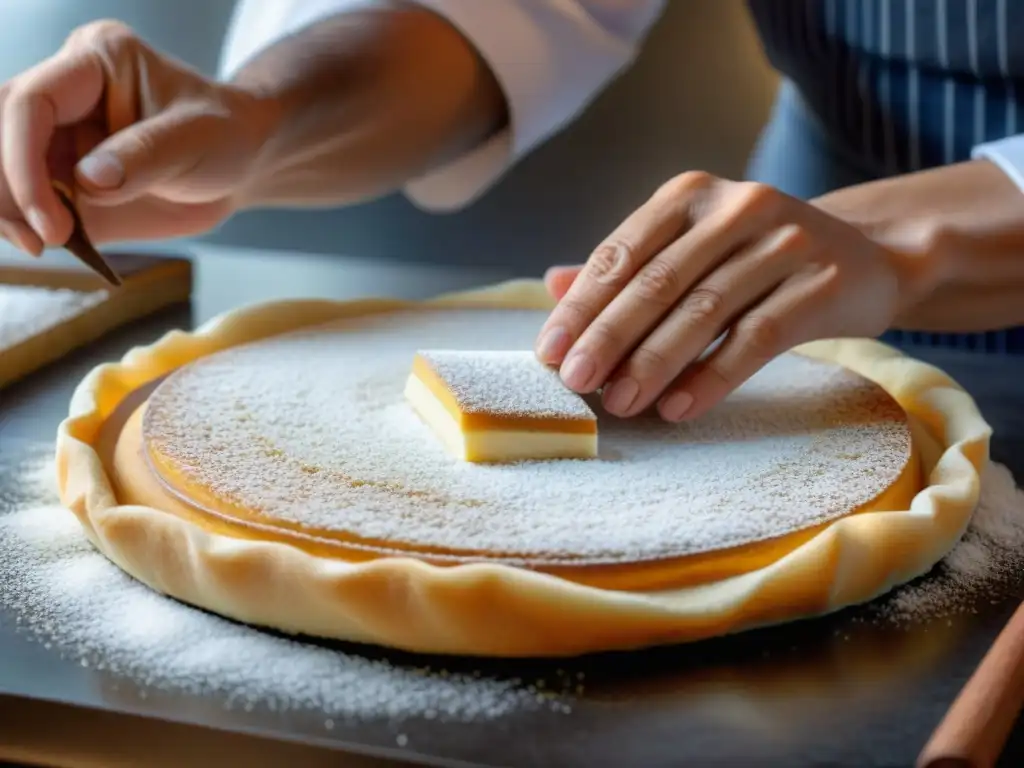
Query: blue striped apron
(880, 87)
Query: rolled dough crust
(496, 609)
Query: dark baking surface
(832, 691)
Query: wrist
(360, 103)
(922, 252)
(940, 226)
(913, 241)
(257, 116)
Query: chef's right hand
(152, 148)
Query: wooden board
(48, 309)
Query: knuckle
(575, 310)
(19, 94)
(604, 340)
(831, 283)
(696, 180)
(943, 239)
(722, 378)
(22, 92)
(761, 336)
(658, 283)
(137, 145)
(757, 199)
(101, 32)
(612, 262)
(685, 185)
(792, 238)
(703, 304)
(649, 364)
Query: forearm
(359, 103)
(957, 234)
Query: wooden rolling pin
(974, 731)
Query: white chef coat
(551, 57)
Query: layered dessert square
(500, 406)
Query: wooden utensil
(31, 339)
(79, 244)
(976, 727)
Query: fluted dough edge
(496, 610)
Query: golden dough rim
(494, 609)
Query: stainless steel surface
(832, 691)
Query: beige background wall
(696, 99)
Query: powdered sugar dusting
(510, 384)
(27, 311)
(313, 428)
(989, 556)
(65, 594)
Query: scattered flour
(26, 311)
(989, 557)
(62, 592)
(510, 383)
(314, 429)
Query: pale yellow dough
(494, 609)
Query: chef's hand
(152, 148)
(702, 258)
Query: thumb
(132, 161)
(559, 279)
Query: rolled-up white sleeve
(258, 24)
(1007, 154)
(551, 58)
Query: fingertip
(50, 228)
(558, 280)
(38, 221)
(552, 345)
(100, 172)
(579, 372)
(676, 406)
(700, 388)
(22, 237)
(549, 284)
(555, 270)
(32, 245)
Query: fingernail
(20, 242)
(37, 221)
(553, 345)
(675, 406)
(621, 395)
(578, 370)
(103, 170)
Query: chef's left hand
(702, 258)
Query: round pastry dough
(496, 608)
(338, 463)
